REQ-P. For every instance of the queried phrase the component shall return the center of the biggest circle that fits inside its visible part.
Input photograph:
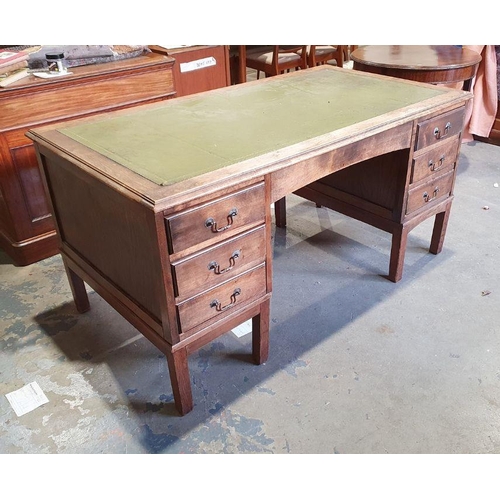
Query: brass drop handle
(210, 222)
(439, 135)
(427, 197)
(219, 307)
(214, 266)
(436, 166)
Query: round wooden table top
(423, 63)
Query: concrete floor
(358, 364)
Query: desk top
(197, 142)
(191, 137)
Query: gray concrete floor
(357, 365)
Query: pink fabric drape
(482, 109)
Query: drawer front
(437, 189)
(440, 158)
(226, 215)
(220, 301)
(219, 263)
(435, 130)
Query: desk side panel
(114, 234)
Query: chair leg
(280, 212)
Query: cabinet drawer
(440, 127)
(226, 215)
(436, 189)
(219, 263)
(219, 301)
(440, 158)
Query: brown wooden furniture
(198, 68)
(421, 63)
(321, 54)
(27, 232)
(164, 210)
(276, 59)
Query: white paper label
(198, 64)
(243, 329)
(27, 398)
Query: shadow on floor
(221, 372)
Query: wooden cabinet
(198, 68)
(26, 228)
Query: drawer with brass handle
(435, 130)
(217, 301)
(438, 188)
(440, 158)
(223, 216)
(219, 263)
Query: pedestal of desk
(397, 191)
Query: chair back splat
(321, 54)
(277, 59)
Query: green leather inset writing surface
(188, 137)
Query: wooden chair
(273, 60)
(321, 54)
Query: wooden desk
(165, 210)
(421, 63)
(27, 232)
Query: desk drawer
(428, 193)
(219, 301)
(434, 130)
(440, 158)
(219, 263)
(226, 215)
